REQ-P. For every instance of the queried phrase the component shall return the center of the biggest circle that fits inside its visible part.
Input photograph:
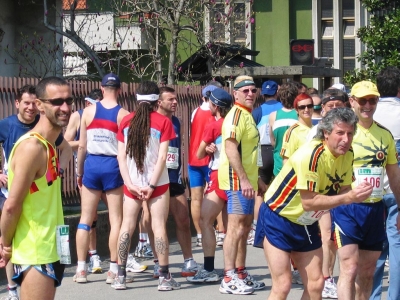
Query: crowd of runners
(305, 176)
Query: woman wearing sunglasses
(296, 135)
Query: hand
(146, 192)
(135, 190)
(5, 254)
(79, 181)
(3, 180)
(262, 187)
(360, 192)
(247, 189)
(211, 148)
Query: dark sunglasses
(309, 106)
(246, 91)
(59, 101)
(363, 101)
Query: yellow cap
(364, 88)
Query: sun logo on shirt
(374, 156)
(336, 183)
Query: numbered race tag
(259, 157)
(173, 158)
(374, 176)
(62, 239)
(310, 217)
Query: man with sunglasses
(238, 177)
(359, 228)
(33, 209)
(11, 129)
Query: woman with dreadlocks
(143, 139)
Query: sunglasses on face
(363, 101)
(246, 91)
(309, 106)
(59, 101)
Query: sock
(92, 252)
(12, 290)
(122, 270)
(209, 263)
(327, 277)
(81, 266)
(114, 267)
(241, 271)
(199, 235)
(228, 275)
(155, 261)
(164, 271)
(143, 237)
(221, 234)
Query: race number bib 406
(373, 176)
(172, 158)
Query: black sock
(209, 263)
(122, 270)
(164, 271)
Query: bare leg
(36, 285)
(180, 211)
(348, 260)
(114, 198)
(328, 247)
(366, 269)
(196, 199)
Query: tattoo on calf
(161, 245)
(123, 247)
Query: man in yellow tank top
(33, 209)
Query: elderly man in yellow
(296, 135)
(316, 178)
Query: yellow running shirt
(294, 137)
(312, 168)
(239, 125)
(34, 241)
(374, 148)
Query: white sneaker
(330, 289)
(250, 237)
(133, 266)
(95, 265)
(296, 278)
(235, 286)
(156, 270)
(189, 268)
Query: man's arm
(81, 149)
(393, 173)
(272, 117)
(313, 201)
(71, 130)
(26, 169)
(231, 150)
(65, 155)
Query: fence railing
(189, 97)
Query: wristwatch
(153, 187)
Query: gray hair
(335, 116)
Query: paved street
(145, 287)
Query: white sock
(114, 268)
(92, 252)
(254, 223)
(199, 235)
(81, 266)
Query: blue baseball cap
(269, 88)
(112, 80)
(220, 97)
(207, 90)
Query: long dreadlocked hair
(139, 128)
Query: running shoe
(80, 277)
(12, 295)
(170, 284)
(219, 237)
(330, 289)
(156, 270)
(111, 278)
(296, 278)
(189, 268)
(137, 251)
(119, 283)
(146, 252)
(95, 265)
(204, 276)
(133, 266)
(251, 282)
(199, 242)
(235, 286)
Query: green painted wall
(277, 22)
